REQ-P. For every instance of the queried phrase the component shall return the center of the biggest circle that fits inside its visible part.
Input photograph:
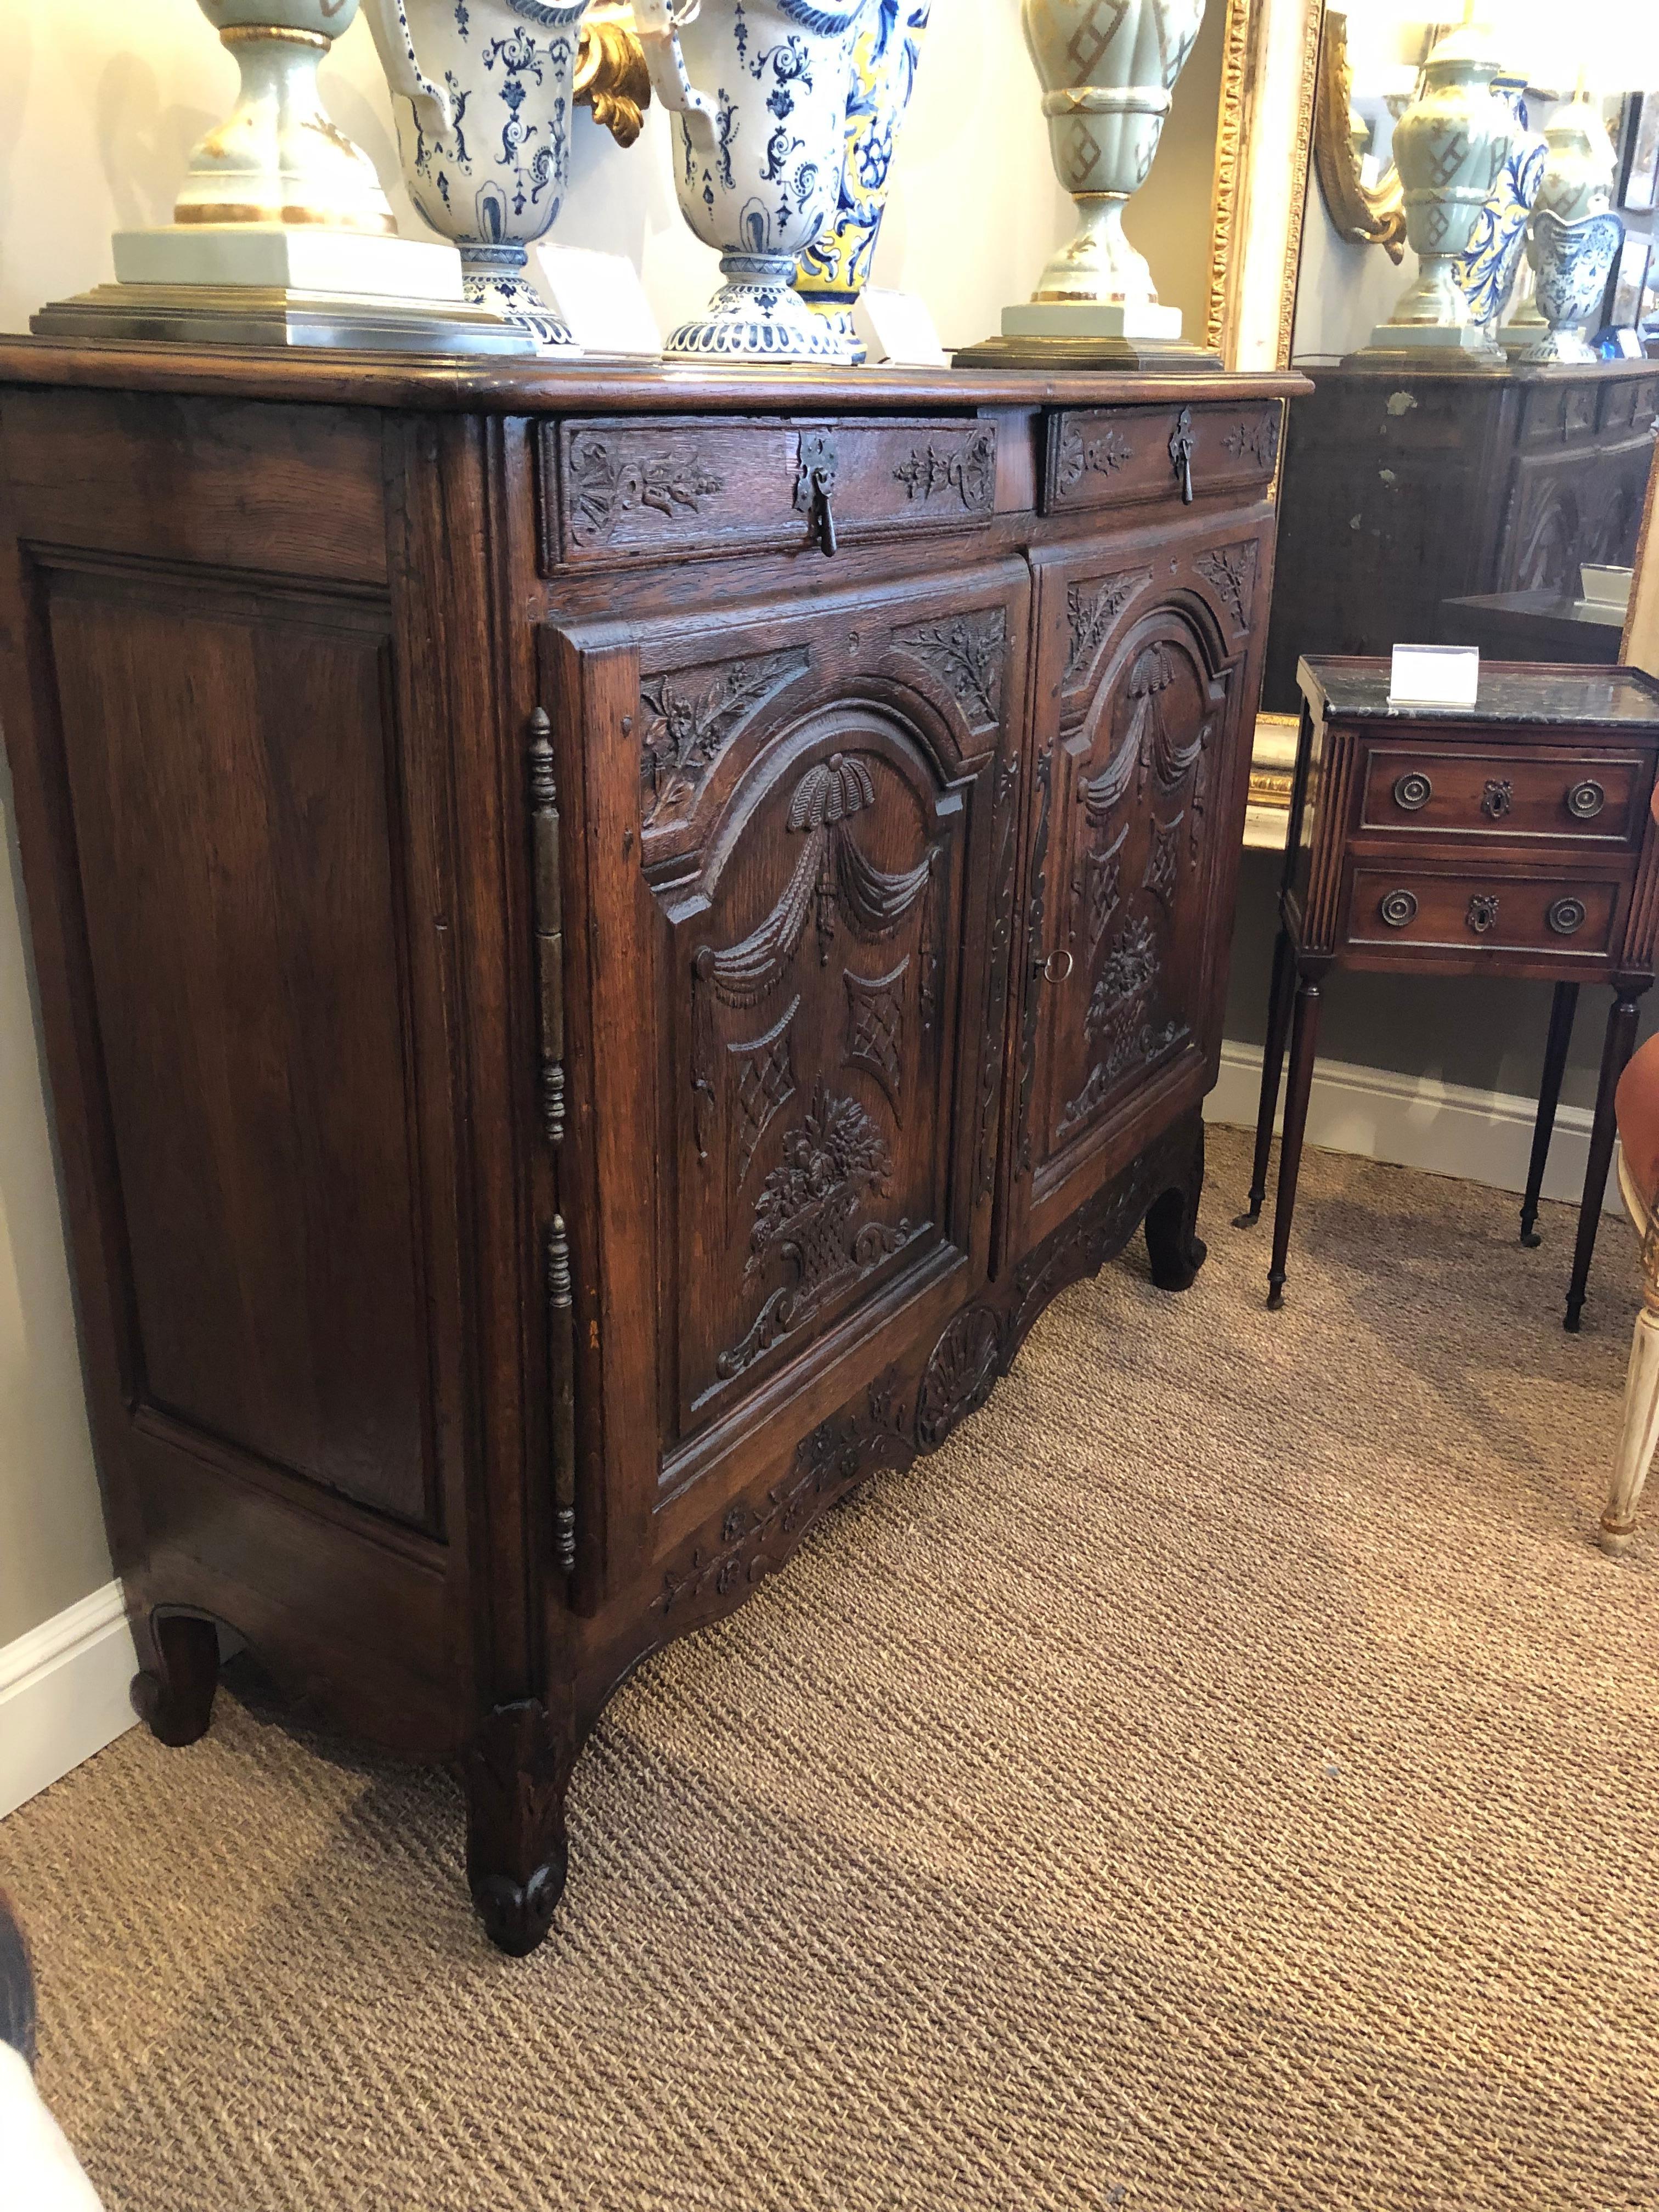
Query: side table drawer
(1468, 911)
(1501, 795)
(658, 488)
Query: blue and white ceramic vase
(1572, 261)
(484, 126)
(758, 92)
(835, 268)
(1486, 271)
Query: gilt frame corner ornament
(611, 76)
(1365, 214)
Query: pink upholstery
(1636, 1108)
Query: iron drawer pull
(1181, 453)
(1412, 790)
(815, 483)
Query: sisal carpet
(1225, 1777)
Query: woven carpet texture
(1225, 1777)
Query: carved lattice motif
(875, 1029)
(1161, 869)
(765, 1083)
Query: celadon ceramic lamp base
(1107, 76)
(281, 235)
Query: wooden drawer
(1432, 791)
(1134, 456)
(1469, 910)
(664, 486)
(1559, 410)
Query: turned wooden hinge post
(549, 901)
(560, 1393)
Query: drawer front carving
(1128, 456)
(1505, 796)
(666, 487)
(1466, 912)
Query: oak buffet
(608, 939)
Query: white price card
(601, 298)
(897, 330)
(1434, 676)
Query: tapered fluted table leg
(1303, 1037)
(1563, 1007)
(1280, 993)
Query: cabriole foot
(173, 1696)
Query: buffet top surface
(473, 385)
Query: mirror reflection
(1478, 306)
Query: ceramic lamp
(1450, 146)
(281, 234)
(1107, 69)
(756, 159)
(485, 90)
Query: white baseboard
(1484, 1136)
(63, 1693)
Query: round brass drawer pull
(1398, 908)
(1566, 915)
(1412, 790)
(1585, 800)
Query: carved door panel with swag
(798, 828)
(1132, 840)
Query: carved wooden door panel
(799, 835)
(1148, 660)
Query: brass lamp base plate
(1172, 357)
(277, 316)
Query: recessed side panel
(227, 755)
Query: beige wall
(100, 102)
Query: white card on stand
(1435, 676)
(601, 298)
(898, 332)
